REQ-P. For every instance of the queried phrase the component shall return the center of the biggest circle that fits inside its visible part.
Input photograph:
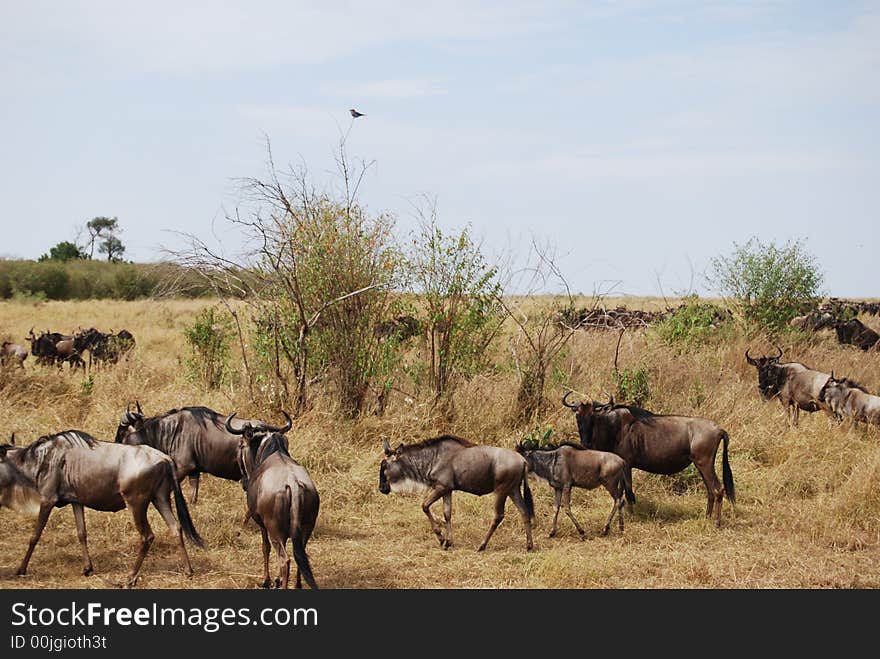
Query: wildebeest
(281, 498)
(104, 347)
(55, 348)
(12, 354)
(850, 399)
(440, 465)
(657, 443)
(855, 332)
(814, 321)
(796, 385)
(72, 467)
(195, 437)
(569, 465)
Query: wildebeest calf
(570, 465)
(850, 399)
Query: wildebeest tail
(726, 473)
(527, 493)
(626, 481)
(183, 517)
(296, 539)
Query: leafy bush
(538, 437)
(210, 337)
(769, 285)
(693, 323)
(633, 385)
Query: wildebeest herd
(57, 349)
(152, 454)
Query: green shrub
(693, 323)
(633, 385)
(210, 337)
(768, 285)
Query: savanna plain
(807, 513)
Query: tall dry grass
(808, 499)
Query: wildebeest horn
(229, 427)
(780, 352)
(283, 430)
(567, 404)
(750, 359)
(12, 439)
(140, 411)
(386, 446)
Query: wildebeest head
(389, 464)
(131, 422)
(768, 373)
(584, 414)
(256, 443)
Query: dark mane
(203, 415)
(434, 441)
(275, 443)
(554, 447)
(69, 438)
(637, 412)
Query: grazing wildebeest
(439, 465)
(12, 354)
(72, 467)
(657, 443)
(195, 437)
(281, 498)
(104, 347)
(855, 332)
(815, 320)
(850, 399)
(569, 465)
(796, 385)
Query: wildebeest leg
(500, 500)
(163, 505)
(80, 516)
(42, 518)
(797, 415)
(267, 583)
(283, 563)
(566, 496)
(557, 500)
(447, 515)
(617, 507)
(432, 496)
(138, 510)
(520, 504)
(714, 491)
(194, 488)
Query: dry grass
(808, 513)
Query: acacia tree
(98, 228)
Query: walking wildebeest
(657, 443)
(440, 465)
(569, 465)
(855, 332)
(195, 437)
(796, 385)
(54, 348)
(281, 498)
(848, 398)
(12, 354)
(72, 467)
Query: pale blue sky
(641, 137)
